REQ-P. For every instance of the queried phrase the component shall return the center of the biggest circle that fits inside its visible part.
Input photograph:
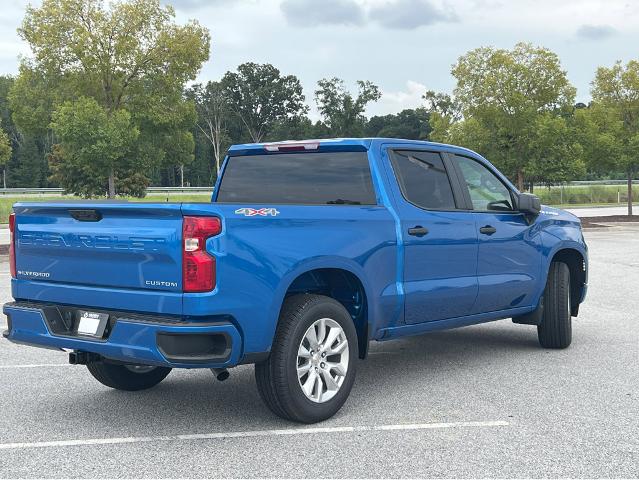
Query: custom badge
(259, 212)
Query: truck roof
(340, 142)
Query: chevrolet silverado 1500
(306, 253)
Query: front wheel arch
(576, 263)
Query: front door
(509, 258)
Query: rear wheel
(127, 377)
(311, 369)
(555, 329)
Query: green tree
(412, 124)
(32, 98)
(504, 94)
(5, 154)
(7, 127)
(556, 155)
(445, 118)
(166, 140)
(298, 127)
(201, 172)
(443, 104)
(29, 167)
(261, 97)
(599, 133)
(6, 82)
(93, 145)
(343, 113)
(615, 93)
(213, 111)
(129, 57)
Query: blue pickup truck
(306, 252)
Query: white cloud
(396, 101)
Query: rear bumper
(131, 338)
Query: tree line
(106, 105)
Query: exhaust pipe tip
(221, 374)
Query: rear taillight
(198, 267)
(12, 244)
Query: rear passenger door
(439, 238)
(509, 260)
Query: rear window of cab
(328, 178)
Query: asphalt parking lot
(482, 401)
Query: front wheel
(311, 369)
(555, 329)
(127, 377)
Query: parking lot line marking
(250, 434)
(40, 365)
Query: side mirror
(529, 204)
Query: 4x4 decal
(252, 212)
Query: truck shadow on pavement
(194, 401)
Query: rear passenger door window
(487, 192)
(423, 179)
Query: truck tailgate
(125, 246)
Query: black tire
(277, 378)
(124, 377)
(555, 329)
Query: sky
(404, 46)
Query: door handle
(487, 230)
(418, 231)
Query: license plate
(92, 323)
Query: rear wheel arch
(342, 285)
